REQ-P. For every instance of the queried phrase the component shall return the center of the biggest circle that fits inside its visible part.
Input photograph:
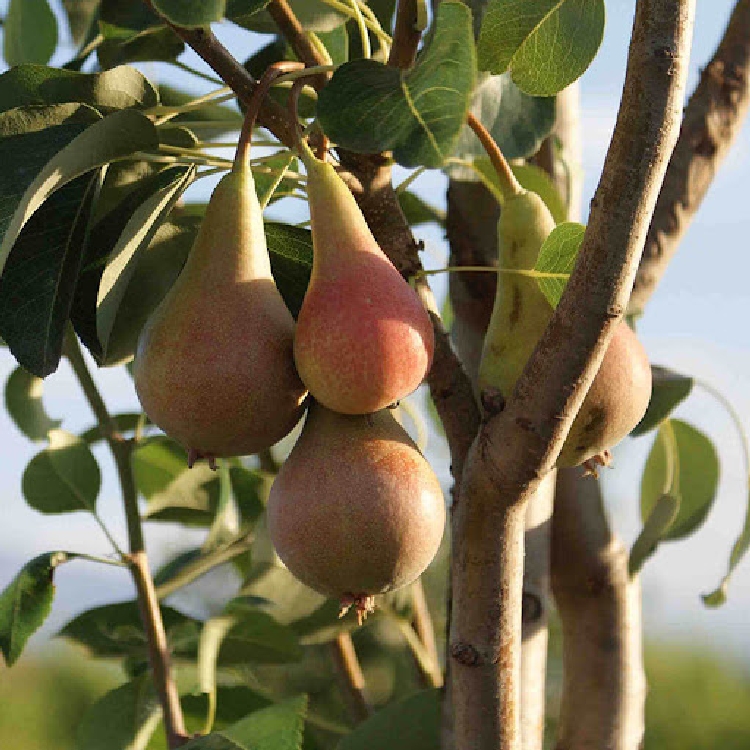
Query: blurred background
(698, 659)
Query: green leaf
(682, 463)
(62, 478)
(81, 14)
(157, 44)
(23, 400)
(116, 630)
(546, 44)
(313, 15)
(119, 134)
(654, 529)
(135, 237)
(35, 117)
(415, 721)
(232, 704)
(290, 249)
(418, 211)
(668, 391)
(557, 257)
(26, 602)
(29, 32)
(125, 717)
(121, 88)
(191, 14)
(278, 727)
(336, 42)
(156, 463)
(156, 269)
(39, 280)
(254, 637)
(174, 492)
(518, 123)
(368, 107)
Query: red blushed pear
(356, 509)
(214, 367)
(363, 339)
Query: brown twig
(517, 447)
(350, 675)
(604, 686)
(137, 561)
(158, 650)
(293, 31)
(712, 121)
(406, 35)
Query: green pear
(356, 510)
(214, 364)
(363, 338)
(621, 390)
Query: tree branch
(406, 34)
(604, 686)
(516, 448)
(712, 121)
(137, 561)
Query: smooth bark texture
(604, 686)
(472, 232)
(713, 119)
(517, 447)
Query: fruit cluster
(221, 367)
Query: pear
(621, 390)
(363, 339)
(214, 365)
(520, 312)
(356, 510)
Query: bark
(713, 119)
(516, 448)
(604, 686)
(472, 231)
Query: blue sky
(696, 323)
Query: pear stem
(509, 185)
(251, 115)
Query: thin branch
(158, 650)
(350, 675)
(713, 120)
(295, 34)
(202, 40)
(407, 33)
(517, 447)
(604, 686)
(150, 613)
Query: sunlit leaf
(26, 602)
(29, 33)
(23, 400)
(62, 478)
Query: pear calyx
(356, 510)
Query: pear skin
(520, 312)
(615, 403)
(356, 510)
(363, 339)
(621, 390)
(214, 365)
